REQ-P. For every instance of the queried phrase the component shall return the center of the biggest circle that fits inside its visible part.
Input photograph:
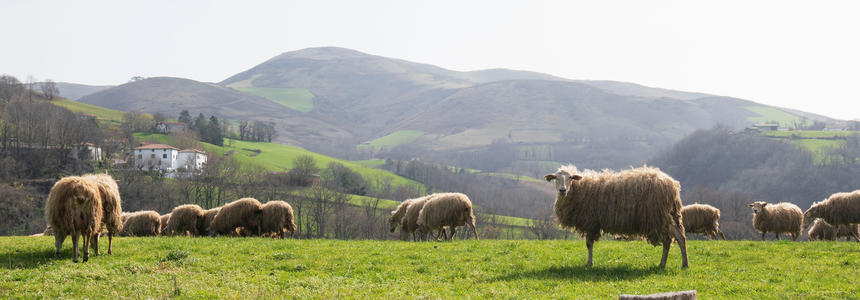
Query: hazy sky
(797, 54)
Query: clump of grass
(174, 256)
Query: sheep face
(562, 180)
(394, 222)
(811, 214)
(757, 206)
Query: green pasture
(296, 98)
(393, 139)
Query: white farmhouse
(168, 158)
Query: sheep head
(811, 214)
(394, 222)
(563, 178)
(757, 206)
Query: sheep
(821, 231)
(410, 223)
(186, 219)
(278, 218)
(141, 223)
(642, 201)
(111, 208)
(208, 216)
(245, 212)
(702, 218)
(838, 209)
(165, 220)
(398, 218)
(777, 218)
(446, 209)
(74, 207)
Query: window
(164, 155)
(152, 156)
(140, 156)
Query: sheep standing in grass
(838, 209)
(245, 212)
(186, 219)
(642, 201)
(410, 223)
(277, 219)
(74, 207)
(165, 220)
(141, 223)
(702, 218)
(398, 218)
(821, 231)
(446, 210)
(777, 218)
(111, 208)
(208, 216)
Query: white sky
(797, 54)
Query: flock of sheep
(646, 202)
(640, 202)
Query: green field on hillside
(393, 139)
(295, 98)
(819, 148)
(278, 157)
(164, 267)
(811, 133)
(101, 113)
(767, 114)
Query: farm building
(170, 127)
(168, 158)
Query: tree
(49, 89)
(185, 117)
(199, 124)
(212, 133)
(304, 167)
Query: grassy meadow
(164, 267)
(393, 139)
(295, 98)
(768, 114)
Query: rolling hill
(75, 91)
(322, 97)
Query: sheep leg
(777, 235)
(110, 242)
(453, 231)
(678, 231)
(475, 231)
(721, 234)
(762, 235)
(794, 236)
(58, 243)
(95, 243)
(75, 246)
(666, 245)
(87, 238)
(590, 244)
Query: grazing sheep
(277, 219)
(398, 218)
(446, 209)
(185, 219)
(141, 223)
(410, 223)
(838, 209)
(245, 212)
(777, 218)
(208, 216)
(642, 201)
(165, 220)
(74, 207)
(821, 231)
(111, 208)
(702, 218)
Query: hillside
(75, 91)
(172, 95)
(166, 267)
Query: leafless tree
(49, 89)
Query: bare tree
(49, 89)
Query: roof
(191, 150)
(156, 146)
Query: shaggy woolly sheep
(642, 201)
(702, 218)
(821, 231)
(277, 219)
(185, 219)
(410, 220)
(165, 219)
(245, 212)
(141, 223)
(446, 209)
(111, 208)
(74, 207)
(838, 209)
(208, 216)
(398, 218)
(777, 218)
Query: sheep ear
(575, 177)
(549, 177)
(750, 205)
(764, 204)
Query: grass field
(101, 113)
(817, 147)
(279, 157)
(394, 139)
(767, 114)
(266, 268)
(295, 98)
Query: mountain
(332, 100)
(74, 91)
(170, 96)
